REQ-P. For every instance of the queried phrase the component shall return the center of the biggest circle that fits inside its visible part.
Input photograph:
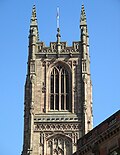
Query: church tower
(58, 93)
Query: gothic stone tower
(58, 93)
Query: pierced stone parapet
(74, 49)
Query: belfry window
(59, 89)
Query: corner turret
(87, 84)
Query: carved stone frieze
(56, 127)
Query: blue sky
(103, 18)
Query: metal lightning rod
(58, 17)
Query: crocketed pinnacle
(83, 17)
(33, 21)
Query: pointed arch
(59, 144)
(60, 87)
(60, 135)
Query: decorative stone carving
(57, 145)
(56, 127)
(32, 109)
(32, 78)
(43, 88)
(74, 63)
(44, 63)
(32, 67)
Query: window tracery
(59, 146)
(60, 89)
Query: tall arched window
(59, 89)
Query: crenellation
(52, 49)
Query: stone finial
(33, 21)
(58, 32)
(83, 17)
(58, 35)
(58, 26)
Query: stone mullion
(59, 90)
(65, 91)
(54, 88)
(52, 148)
(46, 92)
(50, 90)
(46, 150)
(72, 88)
(64, 148)
(44, 145)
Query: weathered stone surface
(49, 131)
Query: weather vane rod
(58, 17)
